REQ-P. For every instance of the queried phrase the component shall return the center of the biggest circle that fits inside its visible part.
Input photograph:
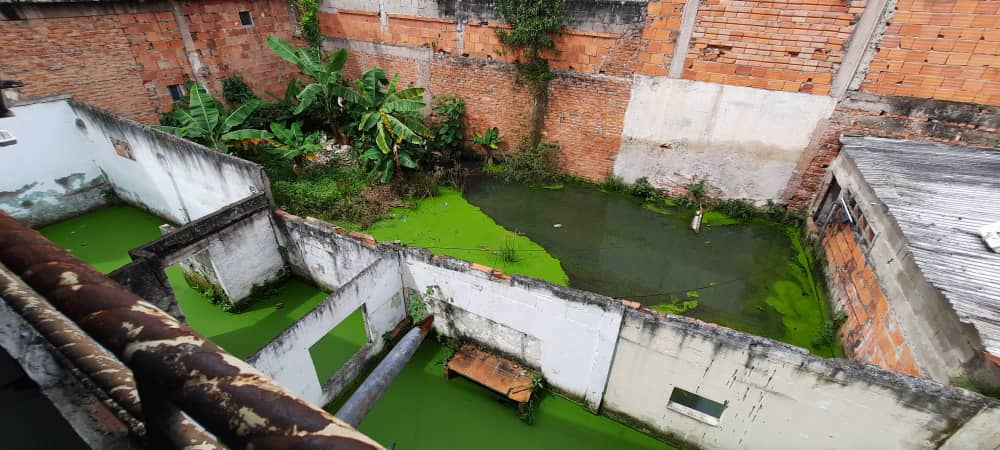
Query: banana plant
(490, 140)
(294, 144)
(391, 118)
(327, 86)
(202, 121)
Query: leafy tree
(391, 119)
(202, 121)
(447, 128)
(327, 86)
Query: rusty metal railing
(223, 394)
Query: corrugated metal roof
(940, 195)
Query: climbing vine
(532, 24)
(308, 12)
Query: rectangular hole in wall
(696, 406)
(338, 346)
(176, 91)
(246, 19)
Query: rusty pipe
(225, 395)
(365, 396)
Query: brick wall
(88, 57)
(124, 61)
(659, 36)
(870, 333)
(228, 48)
(585, 117)
(940, 49)
(787, 45)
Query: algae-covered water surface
(103, 239)
(754, 277)
(422, 411)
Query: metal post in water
(363, 399)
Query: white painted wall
(245, 255)
(318, 253)
(570, 335)
(50, 173)
(744, 142)
(778, 396)
(175, 178)
(287, 359)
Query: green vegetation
(295, 145)
(612, 183)
(643, 190)
(326, 85)
(450, 225)
(206, 121)
(532, 25)
(508, 249)
(490, 140)
(538, 164)
(308, 12)
(389, 123)
(974, 385)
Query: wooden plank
(498, 374)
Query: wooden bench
(499, 374)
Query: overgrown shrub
(447, 140)
(644, 190)
(532, 164)
(828, 332)
(612, 183)
(308, 11)
(737, 209)
(236, 91)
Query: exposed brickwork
(941, 49)
(492, 97)
(125, 62)
(585, 117)
(870, 334)
(228, 48)
(788, 45)
(659, 36)
(88, 57)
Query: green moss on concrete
(103, 238)
(450, 225)
(333, 350)
(422, 410)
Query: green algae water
(103, 238)
(450, 225)
(421, 410)
(753, 277)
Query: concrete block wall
(50, 173)
(123, 56)
(778, 396)
(319, 252)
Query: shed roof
(940, 195)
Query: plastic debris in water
(558, 225)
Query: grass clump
(508, 250)
(612, 183)
(977, 386)
(538, 164)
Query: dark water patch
(752, 277)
